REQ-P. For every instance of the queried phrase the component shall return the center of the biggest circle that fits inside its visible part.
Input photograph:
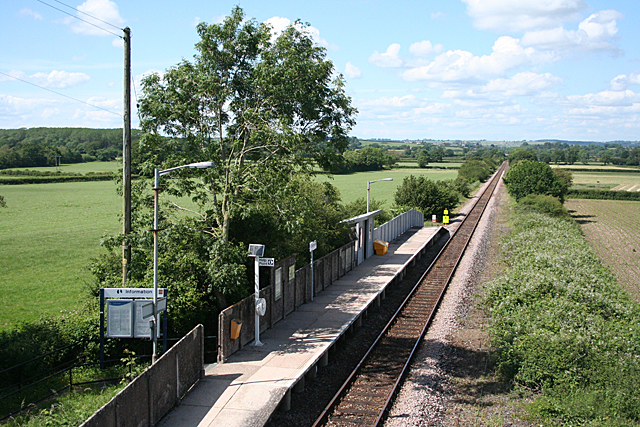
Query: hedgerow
(561, 324)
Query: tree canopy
(533, 177)
(261, 106)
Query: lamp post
(369, 188)
(156, 190)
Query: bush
(545, 204)
(562, 325)
(531, 177)
(475, 170)
(426, 196)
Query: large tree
(261, 106)
(532, 177)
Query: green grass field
(354, 185)
(48, 233)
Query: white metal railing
(398, 225)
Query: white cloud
(59, 79)
(522, 15)
(623, 81)
(49, 112)
(279, 24)
(352, 72)
(104, 10)
(55, 79)
(391, 58)
(607, 98)
(424, 48)
(594, 34)
(29, 12)
(406, 101)
(525, 83)
(438, 16)
(464, 67)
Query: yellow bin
(236, 326)
(380, 247)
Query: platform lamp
(156, 190)
(369, 188)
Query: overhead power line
(61, 94)
(83, 20)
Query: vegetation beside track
(560, 324)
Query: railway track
(367, 394)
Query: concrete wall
(296, 290)
(146, 399)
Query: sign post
(445, 217)
(257, 251)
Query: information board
(141, 326)
(120, 318)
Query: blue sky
(460, 69)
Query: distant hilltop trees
(50, 146)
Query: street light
(156, 190)
(369, 188)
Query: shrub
(531, 177)
(475, 170)
(545, 204)
(562, 325)
(427, 196)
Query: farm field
(613, 229)
(606, 180)
(354, 185)
(48, 233)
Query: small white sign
(132, 293)
(266, 262)
(147, 307)
(313, 245)
(433, 218)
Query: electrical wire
(61, 94)
(91, 16)
(83, 20)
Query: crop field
(613, 229)
(606, 180)
(354, 185)
(48, 233)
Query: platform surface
(248, 387)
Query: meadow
(48, 234)
(354, 186)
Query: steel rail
(365, 396)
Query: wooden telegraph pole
(126, 157)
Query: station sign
(266, 262)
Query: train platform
(255, 381)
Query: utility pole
(126, 158)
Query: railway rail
(366, 395)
